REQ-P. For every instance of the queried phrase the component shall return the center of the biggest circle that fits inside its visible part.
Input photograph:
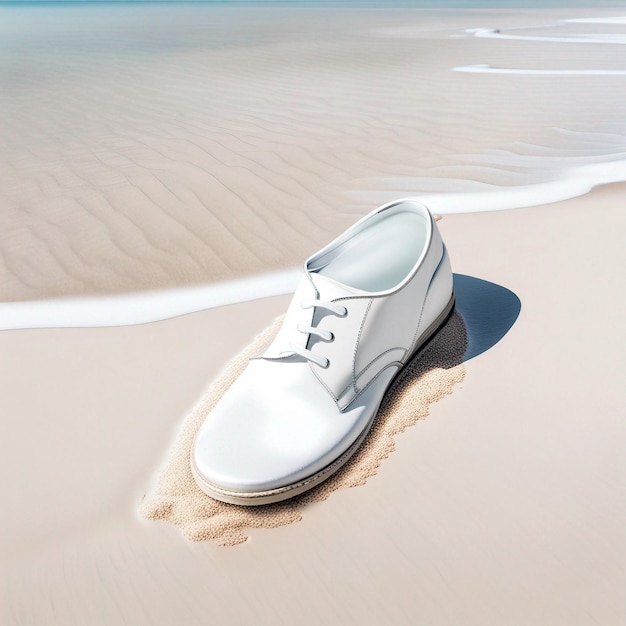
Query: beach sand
(505, 505)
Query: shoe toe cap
(276, 425)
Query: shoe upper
(357, 316)
(397, 250)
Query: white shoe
(366, 303)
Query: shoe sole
(289, 491)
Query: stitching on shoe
(356, 345)
(432, 278)
(332, 395)
(378, 357)
(345, 389)
(400, 364)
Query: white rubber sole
(289, 491)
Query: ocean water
(146, 147)
(382, 4)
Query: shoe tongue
(330, 289)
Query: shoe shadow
(484, 312)
(488, 312)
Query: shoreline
(125, 309)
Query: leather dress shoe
(365, 305)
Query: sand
(506, 504)
(145, 150)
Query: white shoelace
(326, 335)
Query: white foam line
(484, 68)
(494, 33)
(598, 20)
(142, 307)
(471, 196)
(497, 198)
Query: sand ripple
(161, 147)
